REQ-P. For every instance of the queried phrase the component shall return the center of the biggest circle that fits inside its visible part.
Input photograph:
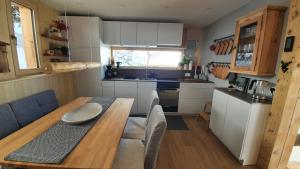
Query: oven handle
(168, 90)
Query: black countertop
(243, 96)
(158, 80)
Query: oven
(168, 93)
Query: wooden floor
(196, 148)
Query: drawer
(197, 85)
(125, 84)
(191, 106)
(146, 84)
(108, 83)
(196, 93)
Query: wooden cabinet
(6, 60)
(128, 33)
(144, 94)
(170, 34)
(239, 125)
(4, 30)
(147, 34)
(257, 41)
(112, 32)
(193, 96)
(127, 89)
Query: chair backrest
(155, 131)
(154, 100)
(8, 121)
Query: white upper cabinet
(147, 34)
(128, 33)
(170, 34)
(112, 32)
(81, 35)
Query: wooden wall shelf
(55, 38)
(59, 67)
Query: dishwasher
(168, 93)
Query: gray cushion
(26, 110)
(47, 101)
(8, 122)
(154, 100)
(135, 128)
(130, 155)
(155, 131)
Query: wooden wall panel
(280, 120)
(63, 85)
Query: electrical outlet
(187, 74)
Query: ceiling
(198, 13)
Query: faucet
(148, 58)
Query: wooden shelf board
(55, 38)
(55, 55)
(252, 73)
(58, 67)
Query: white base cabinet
(144, 95)
(193, 96)
(127, 89)
(239, 125)
(140, 91)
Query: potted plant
(62, 27)
(185, 62)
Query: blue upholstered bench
(19, 113)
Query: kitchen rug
(176, 123)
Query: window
(168, 58)
(25, 36)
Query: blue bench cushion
(8, 121)
(47, 101)
(26, 110)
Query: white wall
(226, 26)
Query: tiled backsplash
(159, 73)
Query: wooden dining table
(95, 151)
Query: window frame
(33, 5)
(149, 49)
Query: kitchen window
(159, 58)
(24, 36)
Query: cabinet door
(128, 33)
(144, 94)
(236, 122)
(126, 89)
(191, 106)
(108, 88)
(170, 34)
(147, 34)
(4, 31)
(108, 91)
(84, 32)
(112, 32)
(248, 34)
(218, 113)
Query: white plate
(83, 113)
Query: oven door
(168, 99)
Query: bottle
(191, 65)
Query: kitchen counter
(157, 80)
(243, 96)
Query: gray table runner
(52, 146)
